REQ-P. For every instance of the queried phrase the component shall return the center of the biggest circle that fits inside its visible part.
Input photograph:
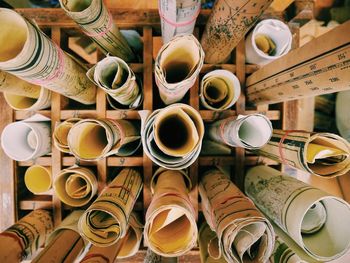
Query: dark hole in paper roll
(173, 132)
(176, 71)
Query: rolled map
(60, 134)
(38, 179)
(315, 220)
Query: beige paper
(96, 22)
(298, 209)
(38, 179)
(248, 131)
(75, 186)
(342, 107)
(25, 237)
(322, 154)
(282, 253)
(10, 84)
(60, 134)
(107, 219)
(93, 139)
(177, 67)
(243, 233)
(229, 21)
(32, 56)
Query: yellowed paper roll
(75, 186)
(107, 219)
(23, 238)
(10, 84)
(170, 228)
(38, 179)
(60, 134)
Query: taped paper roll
(38, 179)
(60, 134)
(282, 253)
(96, 22)
(177, 67)
(251, 131)
(172, 137)
(27, 140)
(220, 89)
(229, 21)
(10, 84)
(22, 239)
(312, 218)
(64, 244)
(75, 186)
(322, 154)
(243, 234)
(269, 40)
(170, 228)
(342, 108)
(32, 56)
(177, 17)
(115, 77)
(91, 139)
(106, 221)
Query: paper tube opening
(38, 179)
(77, 186)
(255, 131)
(76, 5)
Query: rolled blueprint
(170, 228)
(60, 134)
(322, 154)
(251, 131)
(126, 247)
(269, 40)
(177, 67)
(242, 232)
(38, 179)
(65, 243)
(178, 17)
(219, 90)
(25, 237)
(92, 139)
(96, 22)
(229, 21)
(315, 220)
(342, 108)
(107, 219)
(28, 139)
(75, 186)
(114, 76)
(32, 56)
(172, 137)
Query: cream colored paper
(248, 131)
(107, 219)
(96, 22)
(229, 21)
(170, 228)
(38, 179)
(60, 134)
(75, 186)
(177, 67)
(25, 237)
(342, 117)
(10, 84)
(290, 204)
(243, 233)
(284, 254)
(322, 154)
(32, 56)
(177, 17)
(172, 137)
(93, 139)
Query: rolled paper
(75, 186)
(322, 154)
(28, 139)
(10, 84)
(60, 134)
(282, 253)
(32, 56)
(172, 137)
(170, 228)
(269, 40)
(210, 147)
(114, 76)
(24, 238)
(291, 205)
(177, 17)
(91, 139)
(251, 131)
(219, 90)
(177, 67)
(229, 21)
(106, 221)
(342, 117)
(96, 22)
(65, 243)
(243, 234)
(38, 179)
